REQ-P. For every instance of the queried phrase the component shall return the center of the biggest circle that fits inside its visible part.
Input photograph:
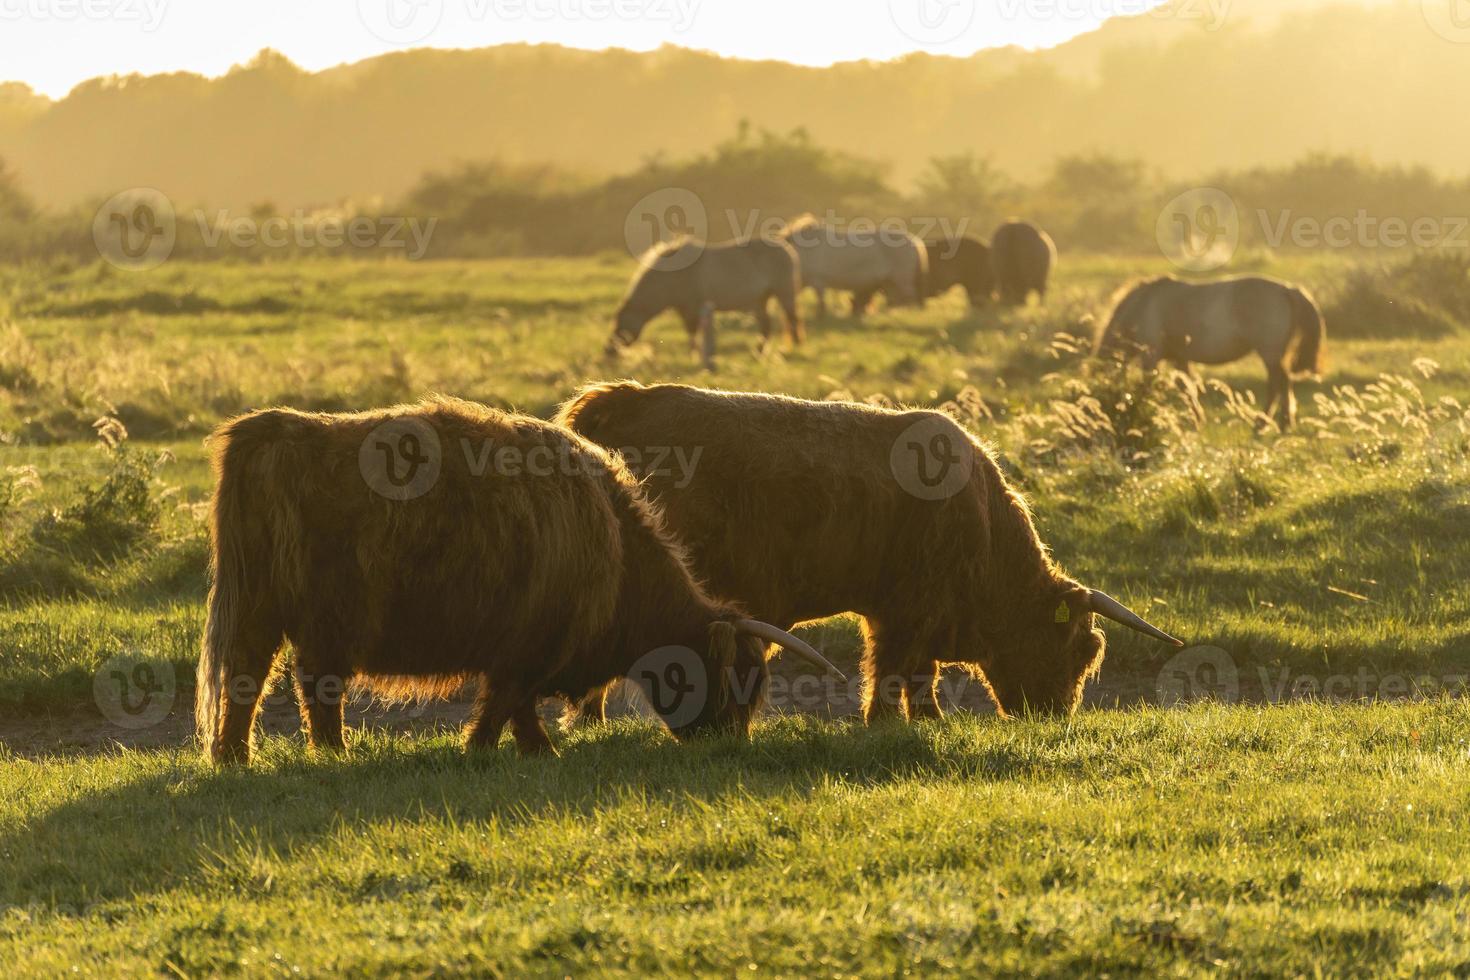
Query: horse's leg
(691, 324)
(794, 330)
(1278, 394)
(763, 320)
(861, 298)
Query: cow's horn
(785, 640)
(1105, 605)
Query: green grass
(1318, 837)
(1295, 840)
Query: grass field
(1328, 563)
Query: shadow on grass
(179, 820)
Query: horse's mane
(1125, 300)
(660, 249)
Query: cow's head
(1041, 664)
(725, 689)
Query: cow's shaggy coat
(541, 573)
(800, 510)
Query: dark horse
(1222, 321)
(960, 260)
(688, 276)
(1023, 256)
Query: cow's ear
(1070, 608)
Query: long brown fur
(795, 512)
(533, 585)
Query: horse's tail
(921, 273)
(1309, 335)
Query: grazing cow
(418, 547)
(1023, 256)
(801, 510)
(1222, 321)
(866, 262)
(686, 275)
(960, 260)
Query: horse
(695, 278)
(1023, 256)
(1222, 321)
(961, 260)
(886, 260)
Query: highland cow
(1023, 257)
(801, 510)
(423, 546)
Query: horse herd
(419, 548)
(1160, 319)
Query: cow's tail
(255, 531)
(1309, 335)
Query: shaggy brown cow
(960, 260)
(417, 547)
(801, 510)
(686, 275)
(1023, 256)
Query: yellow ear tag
(1064, 615)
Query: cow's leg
(252, 652)
(887, 666)
(530, 733)
(922, 694)
(591, 708)
(494, 706)
(321, 691)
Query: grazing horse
(886, 260)
(1222, 321)
(688, 276)
(959, 260)
(1023, 256)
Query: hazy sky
(53, 44)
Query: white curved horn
(801, 648)
(1105, 605)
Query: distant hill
(1274, 81)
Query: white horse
(1217, 322)
(866, 262)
